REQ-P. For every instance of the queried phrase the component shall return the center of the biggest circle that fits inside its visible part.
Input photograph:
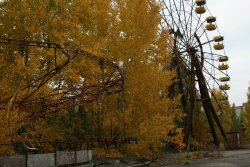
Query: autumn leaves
(122, 31)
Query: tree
(246, 115)
(124, 31)
(236, 120)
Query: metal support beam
(208, 106)
(188, 120)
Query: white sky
(233, 20)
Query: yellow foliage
(124, 31)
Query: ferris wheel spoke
(203, 30)
(185, 62)
(211, 59)
(222, 72)
(191, 13)
(213, 95)
(190, 19)
(182, 48)
(198, 20)
(173, 18)
(178, 33)
(183, 9)
(193, 42)
(196, 31)
(213, 54)
(180, 21)
(212, 76)
(171, 15)
(170, 26)
(179, 42)
(209, 41)
(210, 47)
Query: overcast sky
(233, 19)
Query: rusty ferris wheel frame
(38, 106)
(201, 68)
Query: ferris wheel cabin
(200, 9)
(225, 87)
(211, 26)
(223, 59)
(224, 79)
(219, 45)
(223, 67)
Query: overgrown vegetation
(123, 31)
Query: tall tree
(246, 115)
(236, 120)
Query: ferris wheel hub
(191, 50)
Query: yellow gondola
(223, 58)
(211, 19)
(211, 27)
(219, 46)
(223, 67)
(224, 79)
(200, 2)
(200, 10)
(218, 38)
(225, 87)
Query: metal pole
(206, 101)
(188, 121)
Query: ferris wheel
(199, 59)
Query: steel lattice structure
(61, 98)
(199, 59)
